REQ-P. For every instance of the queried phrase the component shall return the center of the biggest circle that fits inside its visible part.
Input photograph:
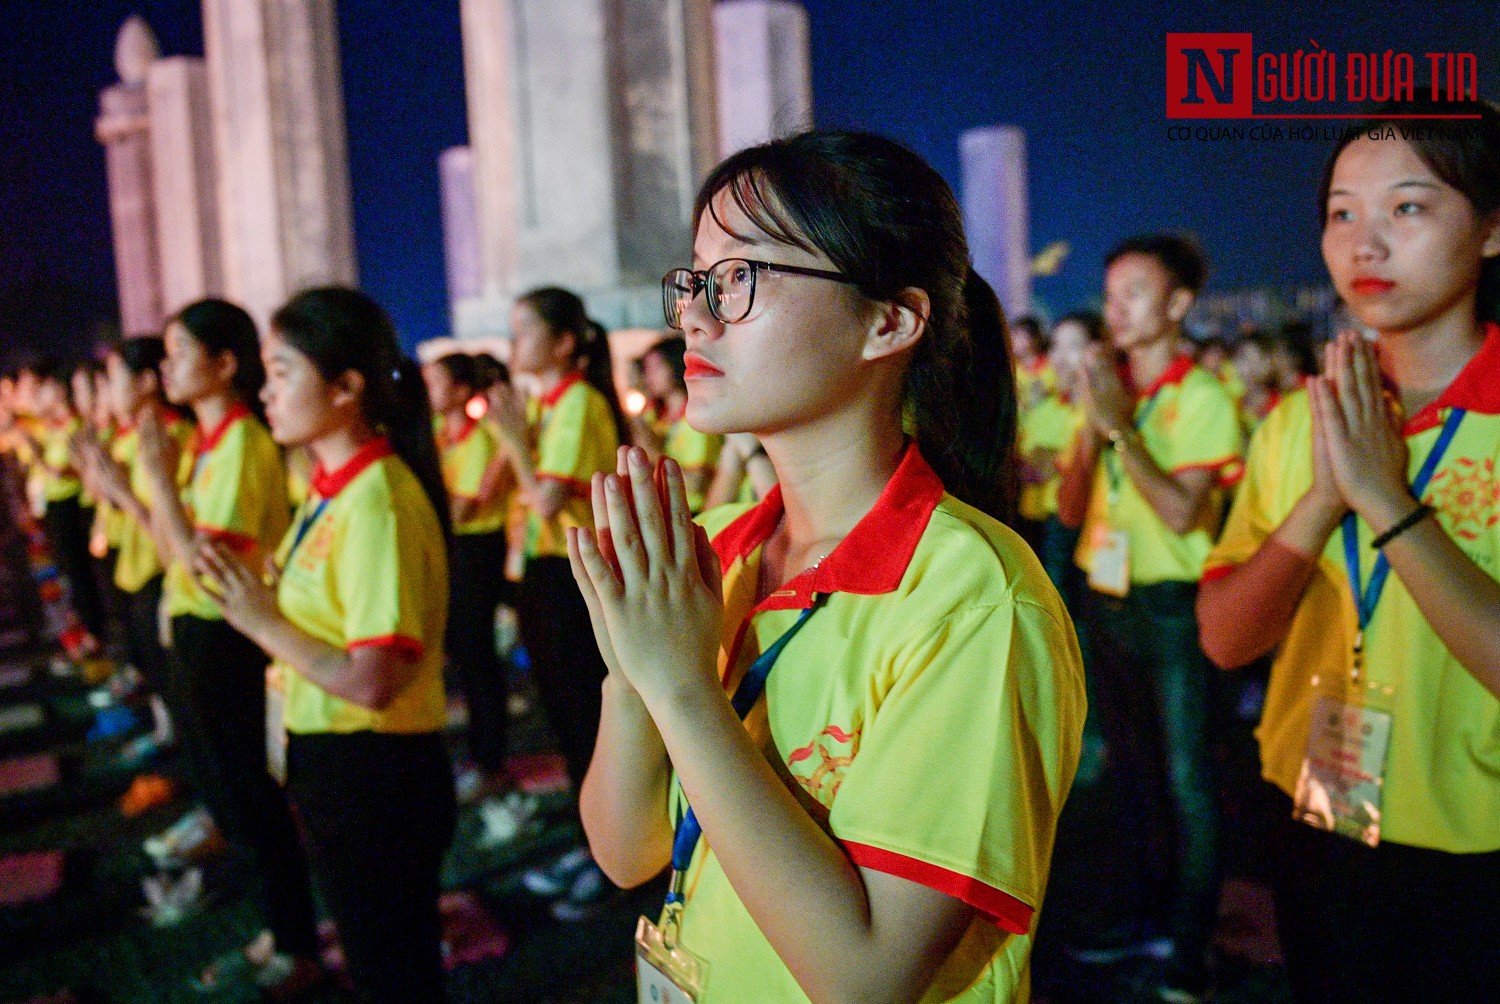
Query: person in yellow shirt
(235, 495)
(663, 372)
(354, 626)
(134, 371)
(1147, 484)
(1255, 360)
(848, 716)
(569, 434)
(1363, 550)
(479, 505)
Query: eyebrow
(1408, 183)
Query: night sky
(1084, 80)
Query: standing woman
(664, 372)
(879, 827)
(571, 433)
(478, 506)
(237, 497)
(355, 625)
(1365, 537)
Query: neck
(335, 449)
(455, 419)
(549, 379)
(1422, 361)
(1149, 361)
(210, 410)
(831, 475)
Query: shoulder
(1199, 385)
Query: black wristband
(1421, 512)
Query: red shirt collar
(871, 560)
(329, 483)
(1476, 388)
(550, 399)
(470, 424)
(209, 439)
(1176, 370)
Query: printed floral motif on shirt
(820, 765)
(1468, 496)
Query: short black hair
(1179, 254)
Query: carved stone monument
(995, 209)
(764, 71)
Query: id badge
(276, 723)
(665, 974)
(1109, 561)
(1339, 786)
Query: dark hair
(142, 353)
(887, 220)
(342, 330)
(1179, 254)
(1463, 154)
(220, 326)
(489, 371)
(563, 313)
(461, 370)
(673, 352)
(1030, 324)
(1296, 339)
(1091, 322)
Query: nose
(698, 322)
(1369, 241)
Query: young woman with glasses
(879, 825)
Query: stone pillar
(278, 107)
(995, 211)
(460, 224)
(124, 129)
(764, 71)
(591, 122)
(187, 200)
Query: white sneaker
(505, 817)
(558, 877)
(169, 900)
(180, 838)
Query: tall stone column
(185, 177)
(996, 214)
(591, 124)
(278, 107)
(461, 250)
(124, 129)
(764, 71)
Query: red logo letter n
(1208, 76)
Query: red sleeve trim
(999, 908)
(409, 647)
(1216, 572)
(240, 543)
(1232, 469)
(582, 489)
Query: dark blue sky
(1084, 80)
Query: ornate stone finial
(135, 50)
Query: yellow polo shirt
(928, 716)
(694, 451)
(1187, 421)
(1051, 425)
(371, 569)
(137, 562)
(107, 517)
(1034, 384)
(59, 478)
(237, 495)
(576, 439)
(1442, 772)
(466, 456)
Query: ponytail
(890, 222)
(342, 330)
(599, 371)
(563, 313)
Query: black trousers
(476, 563)
(379, 811)
(569, 669)
(143, 637)
(68, 533)
(220, 681)
(1392, 923)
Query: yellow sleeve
(235, 503)
(379, 575)
(1205, 433)
(1253, 516)
(578, 439)
(958, 778)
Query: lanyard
(1366, 600)
(302, 527)
(685, 840)
(1112, 467)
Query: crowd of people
(986, 559)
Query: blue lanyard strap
(303, 526)
(1365, 600)
(685, 841)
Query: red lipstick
(696, 367)
(1368, 285)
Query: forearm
(170, 527)
(1458, 598)
(329, 667)
(624, 796)
(1178, 506)
(817, 916)
(1078, 481)
(1269, 588)
(543, 497)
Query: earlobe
(898, 324)
(1180, 302)
(1491, 246)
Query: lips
(696, 367)
(1367, 285)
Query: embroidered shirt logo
(820, 765)
(1468, 494)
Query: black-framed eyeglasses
(728, 285)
